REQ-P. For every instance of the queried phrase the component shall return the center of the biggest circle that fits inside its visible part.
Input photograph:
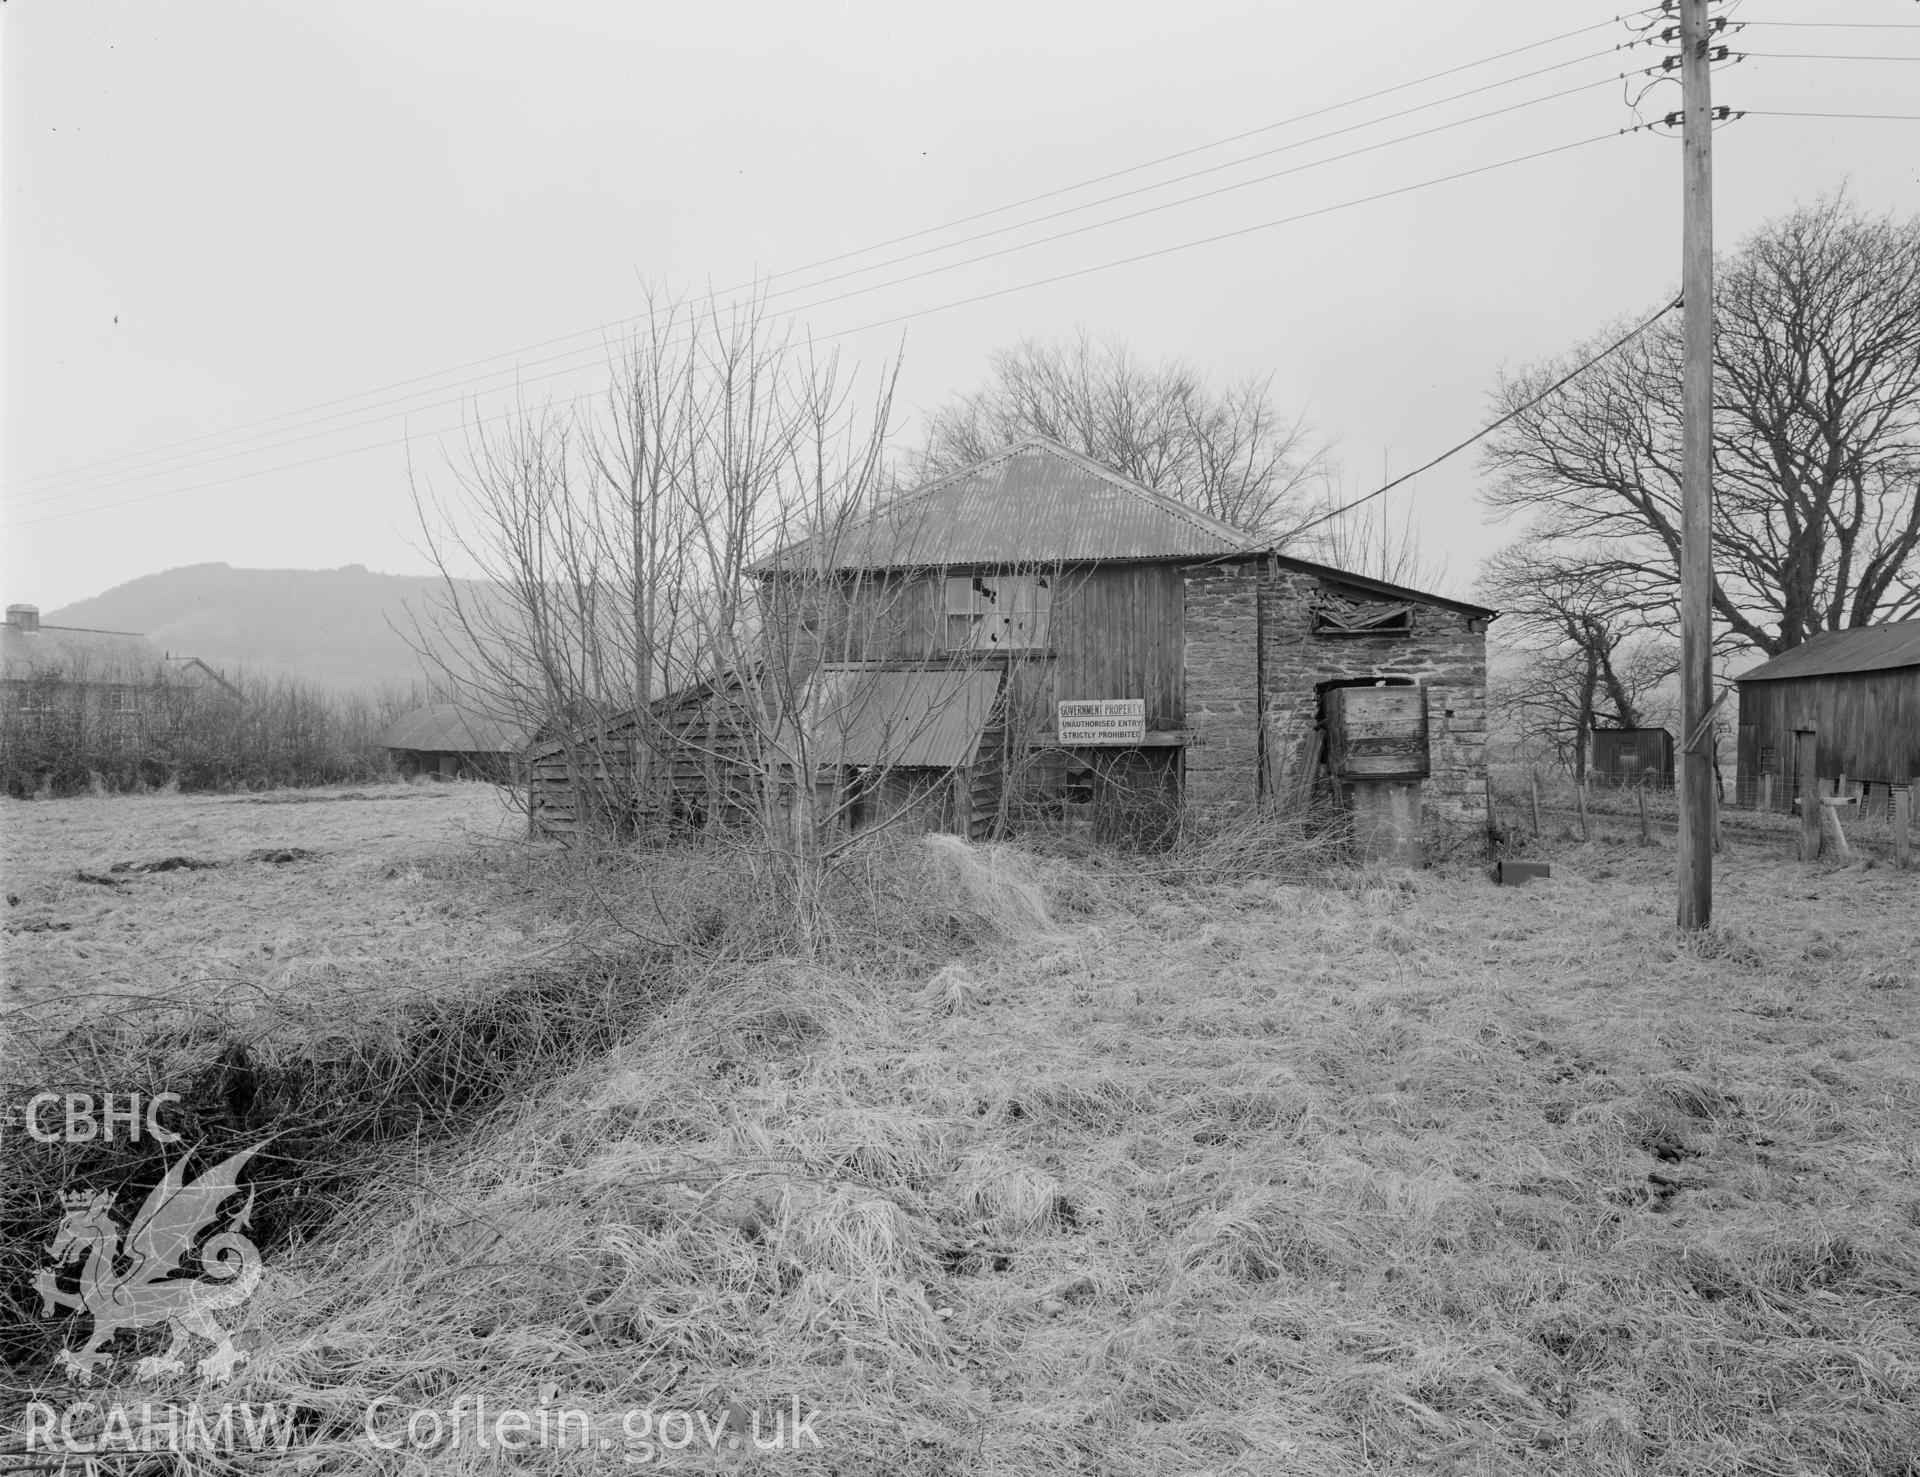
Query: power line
(1248, 159)
(1826, 56)
(105, 479)
(1842, 25)
(112, 479)
(1240, 137)
(1780, 113)
(827, 261)
(1487, 430)
(1241, 231)
(904, 317)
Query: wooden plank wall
(1117, 631)
(1868, 725)
(706, 773)
(708, 777)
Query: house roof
(920, 719)
(1862, 649)
(447, 728)
(77, 654)
(192, 669)
(1034, 503)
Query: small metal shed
(1631, 757)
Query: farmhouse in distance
(1038, 631)
(74, 672)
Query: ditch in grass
(1226, 1174)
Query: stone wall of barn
(1222, 645)
(1440, 650)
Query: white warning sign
(1104, 721)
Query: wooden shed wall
(1868, 725)
(1116, 631)
(703, 775)
(713, 773)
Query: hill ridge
(339, 627)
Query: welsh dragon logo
(169, 1222)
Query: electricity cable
(1780, 113)
(898, 318)
(107, 480)
(1488, 430)
(948, 225)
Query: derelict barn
(1038, 631)
(1857, 691)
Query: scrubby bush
(80, 732)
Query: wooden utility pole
(1695, 872)
(1806, 761)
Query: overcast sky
(221, 213)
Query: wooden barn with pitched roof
(1037, 629)
(1858, 691)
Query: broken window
(998, 612)
(1343, 611)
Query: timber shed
(1038, 635)
(1857, 690)
(447, 741)
(889, 743)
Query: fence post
(1766, 791)
(1903, 826)
(1805, 754)
(1533, 792)
(1581, 791)
(1646, 829)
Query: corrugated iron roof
(1034, 503)
(447, 728)
(926, 719)
(1863, 649)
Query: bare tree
(1816, 448)
(1583, 655)
(1225, 450)
(1372, 539)
(598, 587)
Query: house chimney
(26, 617)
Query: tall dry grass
(1108, 1164)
